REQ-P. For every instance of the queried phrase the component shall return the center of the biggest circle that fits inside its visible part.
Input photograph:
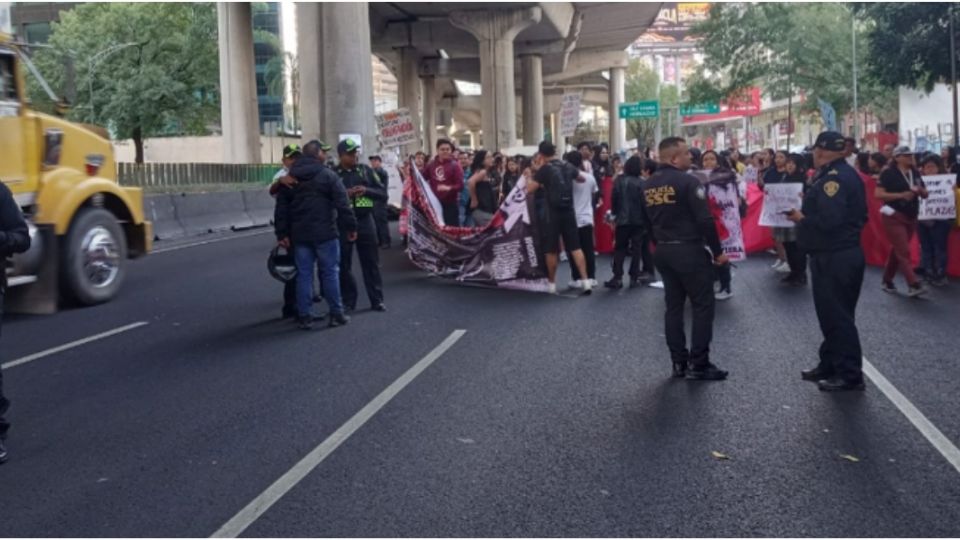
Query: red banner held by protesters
(505, 254)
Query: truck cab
(83, 224)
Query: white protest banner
(569, 114)
(942, 202)
(396, 128)
(391, 164)
(779, 198)
(725, 202)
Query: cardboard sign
(778, 198)
(569, 114)
(396, 128)
(942, 202)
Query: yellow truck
(83, 225)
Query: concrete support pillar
(310, 65)
(347, 88)
(618, 127)
(531, 72)
(495, 32)
(555, 131)
(430, 114)
(410, 94)
(239, 116)
(474, 139)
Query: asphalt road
(551, 416)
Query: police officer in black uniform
(380, 207)
(363, 189)
(829, 223)
(688, 247)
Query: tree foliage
(641, 85)
(909, 43)
(140, 70)
(785, 48)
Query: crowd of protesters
(470, 186)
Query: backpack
(560, 195)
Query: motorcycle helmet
(281, 265)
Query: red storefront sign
(746, 104)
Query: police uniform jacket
(675, 206)
(834, 210)
(316, 208)
(362, 175)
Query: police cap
(830, 140)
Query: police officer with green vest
(363, 189)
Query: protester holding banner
(510, 176)
(723, 197)
(900, 189)
(935, 233)
(445, 176)
(777, 174)
(483, 197)
(796, 258)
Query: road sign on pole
(701, 108)
(639, 109)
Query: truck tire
(93, 260)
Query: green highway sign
(640, 109)
(701, 108)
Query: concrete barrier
(161, 211)
(259, 206)
(202, 213)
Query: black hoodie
(310, 211)
(14, 236)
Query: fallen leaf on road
(848, 457)
(718, 455)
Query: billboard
(671, 29)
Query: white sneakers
(723, 295)
(576, 284)
(781, 267)
(552, 289)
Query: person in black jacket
(364, 190)
(380, 206)
(688, 247)
(627, 207)
(312, 213)
(14, 238)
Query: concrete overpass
(561, 46)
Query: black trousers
(724, 277)
(368, 251)
(797, 260)
(4, 402)
(383, 225)
(687, 272)
(837, 278)
(451, 214)
(630, 240)
(589, 253)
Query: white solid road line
(939, 441)
(72, 344)
(211, 241)
(291, 478)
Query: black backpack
(560, 195)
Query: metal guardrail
(172, 175)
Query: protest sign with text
(778, 199)
(569, 114)
(942, 202)
(396, 128)
(724, 202)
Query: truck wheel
(94, 257)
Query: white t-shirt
(583, 198)
(280, 174)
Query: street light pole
(953, 73)
(853, 27)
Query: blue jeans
(934, 236)
(327, 257)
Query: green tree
(641, 85)
(140, 69)
(785, 48)
(909, 43)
